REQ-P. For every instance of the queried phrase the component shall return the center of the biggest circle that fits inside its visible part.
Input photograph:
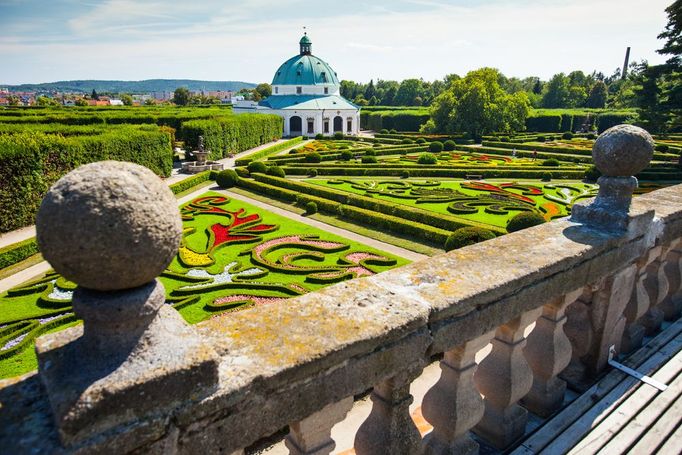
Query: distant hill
(133, 87)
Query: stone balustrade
(600, 278)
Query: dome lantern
(306, 44)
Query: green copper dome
(305, 40)
(305, 70)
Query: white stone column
(548, 352)
(504, 377)
(312, 435)
(454, 405)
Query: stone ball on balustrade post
(623, 151)
(109, 226)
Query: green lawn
(491, 202)
(233, 256)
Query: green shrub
(540, 138)
(346, 155)
(421, 140)
(338, 135)
(467, 236)
(546, 177)
(449, 145)
(436, 147)
(313, 173)
(567, 135)
(427, 158)
(384, 131)
(592, 173)
(524, 220)
(552, 162)
(370, 152)
(310, 208)
(276, 171)
(407, 141)
(17, 252)
(313, 157)
(319, 136)
(504, 138)
(545, 123)
(257, 167)
(227, 178)
(368, 159)
(393, 131)
(662, 147)
(405, 174)
(591, 136)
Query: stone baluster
(390, 428)
(620, 153)
(639, 304)
(454, 405)
(548, 352)
(504, 377)
(656, 284)
(672, 303)
(134, 357)
(312, 435)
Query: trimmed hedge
(232, 134)
(406, 212)
(378, 221)
(195, 180)
(524, 220)
(402, 120)
(467, 236)
(17, 252)
(227, 178)
(437, 171)
(243, 161)
(559, 150)
(31, 162)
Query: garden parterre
(232, 256)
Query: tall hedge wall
(31, 162)
(406, 120)
(232, 134)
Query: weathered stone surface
(109, 225)
(623, 151)
(312, 435)
(117, 369)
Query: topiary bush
(552, 162)
(310, 208)
(319, 136)
(371, 152)
(427, 158)
(338, 135)
(567, 135)
(405, 174)
(540, 138)
(449, 145)
(346, 155)
(313, 173)
(504, 138)
(524, 220)
(227, 178)
(592, 174)
(436, 146)
(591, 136)
(276, 171)
(407, 141)
(368, 159)
(257, 167)
(546, 177)
(313, 157)
(421, 140)
(467, 236)
(393, 131)
(384, 131)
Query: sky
(51, 40)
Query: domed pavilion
(305, 93)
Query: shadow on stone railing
(136, 378)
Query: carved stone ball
(109, 226)
(623, 150)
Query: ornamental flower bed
(232, 256)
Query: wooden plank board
(673, 444)
(664, 426)
(621, 414)
(572, 413)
